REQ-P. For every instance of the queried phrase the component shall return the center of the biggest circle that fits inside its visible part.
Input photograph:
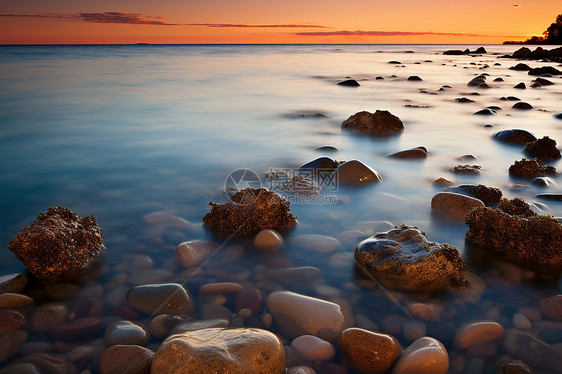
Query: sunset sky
(272, 21)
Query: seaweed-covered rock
(514, 231)
(58, 243)
(380, 123)
(531, 169)
(467, 169)
(514, 136)
(250, 210)
(404, 258)
(488, 195)
(544, 148)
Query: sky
(273, 21)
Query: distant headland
(552, 35)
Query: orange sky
(272, 21)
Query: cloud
(382, 33)
(140, 19)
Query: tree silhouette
(552, 35)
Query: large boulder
(550, 70)
(404, 258)
(58, 244)
(380, 123)
(514, 231)
(514, 136)
(544, 148)
(250, 211)
(220, 350)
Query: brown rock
(368, 351)
(10, 343)
(58, 243)
(354, 173)
(454, 206)
(12, 283)
(467, 169)
(551, 307)
(531, 169)
(11, 320)
(126, 359)
(424, 356)
(249, 211)
(380, 123)
(544, 148)
(476, 333)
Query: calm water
(123, 131)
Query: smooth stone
(486, 112)
(301, 370)
(249, 298)
(192, 253)
(126, 359)
(268, 240)
(527, 347)
(316, 243)
(551, 307)
(479, 332)
(414, 78)
(163, 324)
(21, 368)
(454, 206)
(424, 356)
(514, 136)
(369, 351)
(218, 350)
(312, 348)
(321, 163)
(355, 173)
(543, 181)
(14, 300)
(125, 333)
(483, 350)
(479, 81)
(169, 298)
(13, 283)
(425, 311)
(521, 322)
(419, 152)
(11, 320)
(300, 275)
(349, 83)
(199, 325)
(138, 278)
(509, 366)
(520, 86)
(225, 288)
(327, 148)
(51, 364)
(558, 116)
(522, 105)
(10, 343)
(214, 312)
(295, 314)
(48, 316)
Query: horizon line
(156, 44)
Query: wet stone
(126, 359)
(192, 253)
(551, 307)
(355, 173)
(312, 348)
(522, 105)
(78, 329)
(13, 283)
(48, 316)
(424, 356)
(380, 123)
(268, 240)
(467, 169)
(14, 300)
(170, 298)
(514, 136)
(453, 206)
(220, 288)
(369, 351)
(486, 112)
(10, 343)
(125, 333)
(544, 148)
(488, 195)
(11, 320)
(476, 333)
(249, 298)
(531, 169)
(349, 83)
(418, 152)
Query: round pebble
(424, 356)
(368, 351)
(220, 288)
(11, 320)
(125, 333)
(10, 343)
(126, 359)
(475, 333)
(311, 348)
(551, 307)
(249, 298)
(268, 240)
(170, 298)
(48, 316)
(163, 324)
(521, 322)
(192, 253)
(301, 370)
(14, 300)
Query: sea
(128, 132)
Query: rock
(453, 206)
(418, 152)
(51, 364)
(192, 253)
(354, 172)
(48, 316)
(214, 350)
(467, 169)
(21, 368)
(316, 243)
(453, 52)
(10, 343)
(125, 333)
(170, 298)
(57, 244)
(424, 356)
(523, 51)
(13, 283)
(11, 320)
(369, 351)
(380, 123)
(199, 324)
(531, 169)
(312, 348)
(521, 322)
(475, 333)
(508, 366)
(486, 112)
(249, 298)
(543, 182)
(268, 240)
(533, 351)
(525, 236)
(126, 359)
(404, 258)
(425, 312)
(558, 116)
(551, 307)
(414, 78)
(442, 180)
(300, 370)
(413, 330)
(479, 81)
(488, 195)
(394, 62)
(543, 82)
(323, 163)
(296, 275)
(521, 67)
(349, 83)
(249, 211)
(463, 100)
(545, 70)
(163, 324)
(224, 288)
(498, 79)
(544, 148)
(520, 86)
(327, 148)
(515, 136)
(77, 329)
(480, 50)
(522, 105)
(14, 300)
(295, 315)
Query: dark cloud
(381, 33)
(140, 19)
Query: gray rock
(125, 333)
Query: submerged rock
(520, 67)
(545, 70)
(486, 112)
(250, 210)
(544, 148)
(368, 351)
(58, 243)
(467, 169)
(522, 105)
(220, 350)
(479, 81)
(418, 152)
(405, 259)
(513, 230)
(453, 206)
(349, 83)
(531, 169)
(488, 195)
(514, 136)
(354, 173)
(380, 123)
